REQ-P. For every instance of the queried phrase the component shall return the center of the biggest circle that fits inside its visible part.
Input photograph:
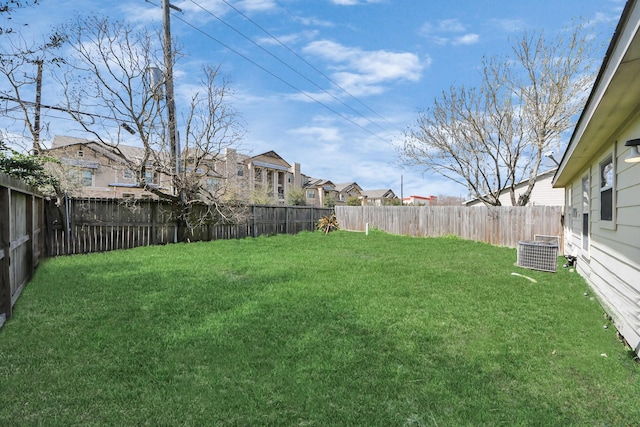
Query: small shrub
(328, 223)
(297, 197)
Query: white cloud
(257, 5)
(309, 21)
(364, 72)
(288, 39)
(442, 26)
(204, 8)
(443, 32)
(451, 26)
(467, 39)
(317, 133)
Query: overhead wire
(304, 60)
(277, 58)
(54, 107)
(293, 52)
(251, 61)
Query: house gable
(269, 159)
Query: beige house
(381, 197)
(94, 170)
(600, 175)
(270, 173)
(320, 192)
(348, 191)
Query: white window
(213, 184)
(311, 194)
(80, 153)
(85, 176)
(150, 177)
(127, 174)
(568, 206)
(607, 178)
(585, 212)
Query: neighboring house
(543, 193)
(95, 171)
(221, 175)
(271, 173)
(420, 201)
(602, 188)
(347, 191)
(319, 192)
(379, 197)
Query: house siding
(610, 263)
(543, 194)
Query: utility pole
(174, 143)
(36, 121)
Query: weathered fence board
(86, 225)
(21, 239)
(502, 226)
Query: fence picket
(502, 226)
(98, 225)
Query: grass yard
(312, 330)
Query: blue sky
(332, 84)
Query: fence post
(154, 218)
(29, 261)
(286, 220)
(5, 254)
(253, 219)
(67, 226)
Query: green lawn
(312, 330)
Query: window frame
(607, 183)
(586, 217)
(84, 176)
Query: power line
(302, 59)
(54, 107)
(278, 59)
(251, 61)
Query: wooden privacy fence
(82, 225)
(21, 239)
(502, 225)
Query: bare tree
(490, 138)
(111, 91)
(21, 76)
